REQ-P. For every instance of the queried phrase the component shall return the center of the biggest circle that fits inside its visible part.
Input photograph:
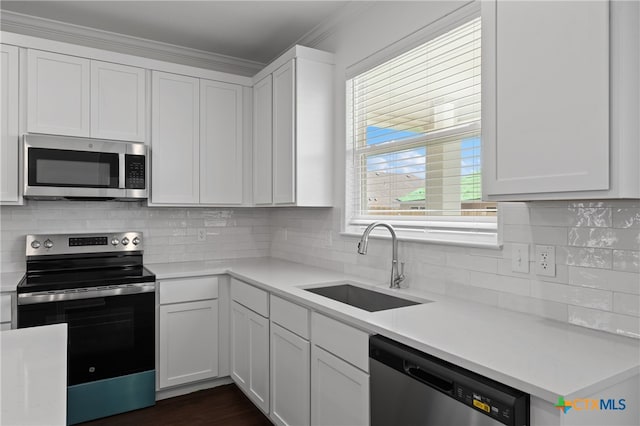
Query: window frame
(474, 231)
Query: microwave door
(71, 173)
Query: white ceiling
(253, 30)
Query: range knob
(115, 242)
(125, 241)
(136, 241)
(35, 244)
(48, 243)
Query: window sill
(460, 239)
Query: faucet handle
(402, 269)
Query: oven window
(108, 336)
(57, 167)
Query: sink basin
(362, 298)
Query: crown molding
(326, 28)
(99, 39)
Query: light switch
(520, 258)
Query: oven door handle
(87, 293)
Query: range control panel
(52, 244)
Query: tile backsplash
(597, 280)
(171, 234)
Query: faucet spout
(396, 276)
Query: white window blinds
(414, 137)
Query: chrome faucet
(396, 277)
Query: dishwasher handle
(427, 378)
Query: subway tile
(514, 213)
(544, 308)
(628, 304)
(606, 279)
(475, 294)
(626, 217)
(625, 260)
(625, 239)
(473, 263)
(625, 325)
(551, 235)
(589, 215)
(500, 283)
(573, 295)
(588, 257)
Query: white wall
(597, 284)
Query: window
(413, 136)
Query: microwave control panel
(135, 175)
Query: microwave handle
(121, 170)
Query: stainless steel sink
(362, 298)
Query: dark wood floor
(224, 405)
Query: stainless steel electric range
(97, 284)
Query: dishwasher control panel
(490, 406)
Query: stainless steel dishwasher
(409, 387)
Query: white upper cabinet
(175, 143)
(75, 96)
(221, 143)
(293, 130)
(284, 162)
(560, 87)
(118, 108)
(197, 143)
(262, 141)
(9, 175)
(57, 94)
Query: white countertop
(34, 376)
(542, 357)
(9, 281)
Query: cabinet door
(188, 342)
(545, 97)
(118, 101)
(262, 141)
(290, 378)
(339, 391)
(221, 153)
(175, 139)
(250, 354)
(284, 165)
(57, 94)
(9, 190)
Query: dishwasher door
(412, 388)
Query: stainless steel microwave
(60, 167)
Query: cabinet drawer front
(5, 308)
(294, 318)
(342, 340)
(251, 297)
(188, 289)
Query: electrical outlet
(202, 234)
(520, 258)
(546, 260)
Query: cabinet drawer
(188, 289)
(342, 340)
(5, 308)
(251, 297)
(293, 317)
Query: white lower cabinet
(290, 364)
(5, 311)
(188, 331)
(339, 391)
(250, 354)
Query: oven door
(108, 336)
